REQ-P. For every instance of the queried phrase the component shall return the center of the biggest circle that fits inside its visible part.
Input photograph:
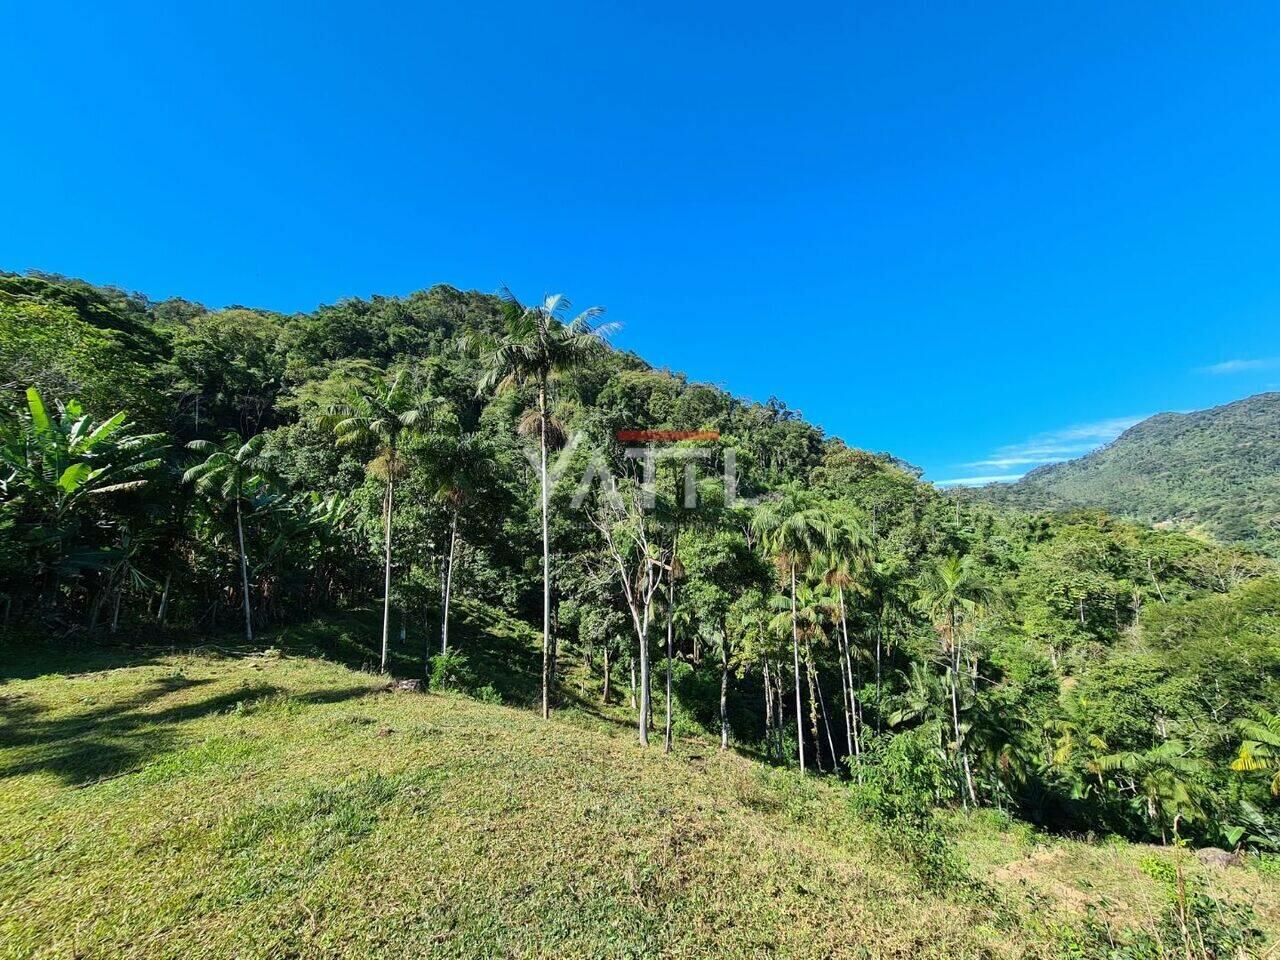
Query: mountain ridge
(1214, 472)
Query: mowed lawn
(205, 804)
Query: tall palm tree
(536, 345)
(460, 469)
(232, 470)
(388, 415)
(883, 583)
(794, 534)
(807, 611)
(845, 562)
(953, 593)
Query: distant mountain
(1214, 472)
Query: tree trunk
(826, 720)
(845, 687)
(631, 663)
(386, 580)
(448, 585)
(781, 712)
(671, 628)
(813, 707)
(768, 708)
(852, 703)
(546, 559)
(646, 705)
(163, 612)
(604, 692)
(115, 608)
(724, 700)
(955, 707)
(244, 576)
(879, 701)
(795, 656)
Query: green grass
(230, 803)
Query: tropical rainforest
(173, 471)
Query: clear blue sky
(974, 234)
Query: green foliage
(1080, 672)
(451, 670)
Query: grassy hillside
(1213, 471)
(219, 802)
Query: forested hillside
(172, 470)
(1213, 472)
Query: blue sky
(981, 236)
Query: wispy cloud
(1242, 366)
(979, 481)
(1053, 446)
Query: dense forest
(1215, 472)
(166, 468)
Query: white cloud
(1242, 366)
(1056, 446)
(1053, 446)
(978, 481)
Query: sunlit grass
(158, 803)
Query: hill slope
(213, 804)
(1213, 471)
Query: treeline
(166, 465)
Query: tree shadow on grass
(122, 737)
(33, 657)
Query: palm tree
(232, 470)
(807, 611)
(536, 345)
(387, 415)
(1260, 750)
(952, 593)
(882, 581)
(846, 560)
(794, 534)
(1160, 779)
(461, 468)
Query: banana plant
(57, 462)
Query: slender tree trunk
(448, 585)
(879, 701)
(845, 698)
(631, 663)
(163, 612)
(955, 708)
(646, 698)
(604, 691)
(244, 576)
(671, 628)
(855, 715)
(386, 580)
(546, 559)
(644, 688)
(795, 656)
(826, 720)
(115, 608)
(781, 712)
(813, 707)
(768, 708)
(724, 699)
